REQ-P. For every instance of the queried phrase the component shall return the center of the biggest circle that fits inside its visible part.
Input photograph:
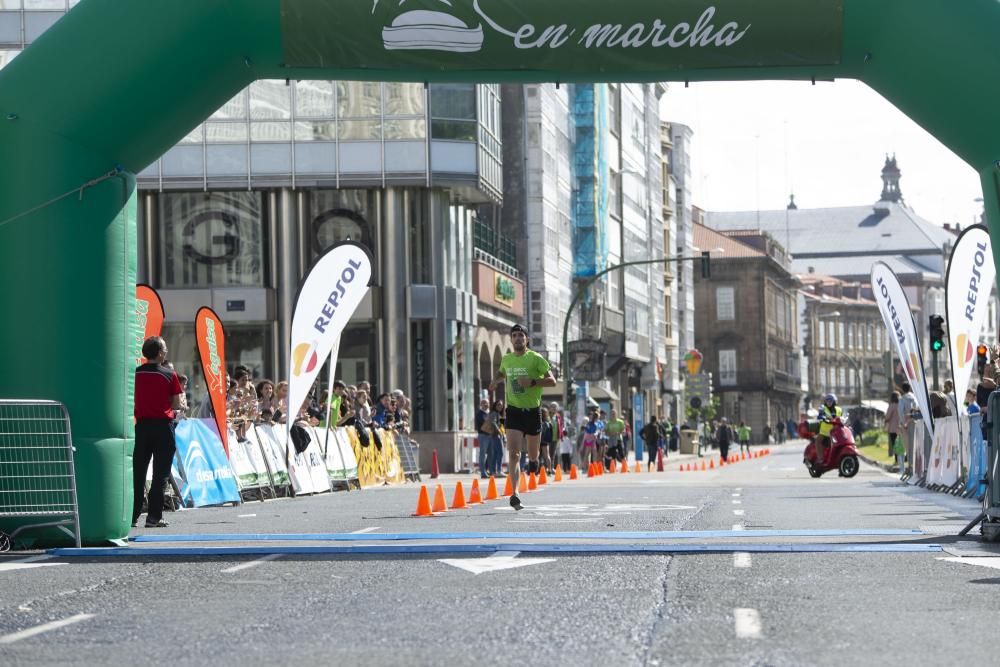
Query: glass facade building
(234, 214)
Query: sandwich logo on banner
(968, 283)
(898, 318)
(149, 316)
(330, 293)
(212, 348)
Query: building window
(850, 337)
(453, 111)
(868, 338)
(339, 215)
(841, 379)
(821, 343)
(840, 336)
(725, 303)
(727, 368)
(212, 239)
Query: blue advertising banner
(638, 421)
(201, 469)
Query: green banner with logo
(565, 35)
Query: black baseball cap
(518, 327)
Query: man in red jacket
(158, 393)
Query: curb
(884, 466)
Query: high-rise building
(684, 211)
(583, 192)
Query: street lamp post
(566, 366)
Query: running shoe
(434, 25)
(515, 502)
(157, 524)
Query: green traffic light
(937, 345)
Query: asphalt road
(735, 596)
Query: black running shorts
(525, 420)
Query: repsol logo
(975, 282)
(896, 326)
(329, 309)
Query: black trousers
(154, 439)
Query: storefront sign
(503, 289)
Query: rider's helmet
(830, 398)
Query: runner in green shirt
(524, 372)
(615, 428)
(743, 435)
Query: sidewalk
(670, 462)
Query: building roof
(709, 239)
(861, 266)
(886, 228)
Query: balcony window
(725, 303)
(727, 368)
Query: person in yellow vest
(827, 413)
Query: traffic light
(937, 333)
(982, 356)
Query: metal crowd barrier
(37, 479)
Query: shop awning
(597, 393)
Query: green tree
(706, 412)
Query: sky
(755, 142)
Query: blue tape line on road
(618, 535)
(410, 549)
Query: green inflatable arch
(114, 84)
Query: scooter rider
(827, 413)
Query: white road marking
(44, 627)
(747, 623)
(365, 530)
(504, 560)
(739, 512)
(737, 502)
(738, 526)
(986, 561)
(245, 516)
(736, 495)
(741, 559)
(253, 563)
(27, 563)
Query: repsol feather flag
(211, 338)
(967, 285)
(898, 320)
(149, 315)
(328, 296)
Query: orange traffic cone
(532, 482)
(423, 503)
(703, 465)
(542, 478)
(590, 471)
(638, 467)
(680, 468)
(435, 470)
(439, 503)
(572, 471)
(508, 489)
(624, 467)
(711, 464)
(522, 483)
(458, 502)
(558, 474)
(474, 497)
(659, 460)
(491, 489)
